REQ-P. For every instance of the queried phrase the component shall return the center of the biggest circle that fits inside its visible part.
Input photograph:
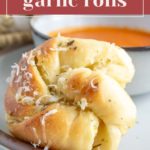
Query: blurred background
(14, 30)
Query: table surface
(136, 139)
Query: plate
(137, 138)
(7, 59)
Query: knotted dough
(68, 94)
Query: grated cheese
(19, 94)
(66, 68)
(12, 76)
(92, 84)
(18, 79)
(51, 112)
(35, 133)
(26, 88)
(8, 79)
(36, 136)
(53, 98)
(28, 75)
(30, 60)
(50, 98)
(38, 102)
(24, 55)
(16, 68)
(59, 49)
(62, 80)
(46, 148)
(23, 68)
(26, 118)
(35, 145)
(83, 103)
(35, 93)
(28, 100)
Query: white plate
(136, 139)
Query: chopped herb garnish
(96, 84)
(97, 145)
(121, 118)
(60, 44)
(75, 48)
(102, 140)
(70, 43)
(109, 100)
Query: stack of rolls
(68, 94)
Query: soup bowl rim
(134, 49)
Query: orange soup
(124, 37)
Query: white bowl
(42, 25)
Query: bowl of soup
(131, 33)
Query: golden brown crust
(68, 94)
(61, 130)
(105, 97)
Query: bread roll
(68, 94)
